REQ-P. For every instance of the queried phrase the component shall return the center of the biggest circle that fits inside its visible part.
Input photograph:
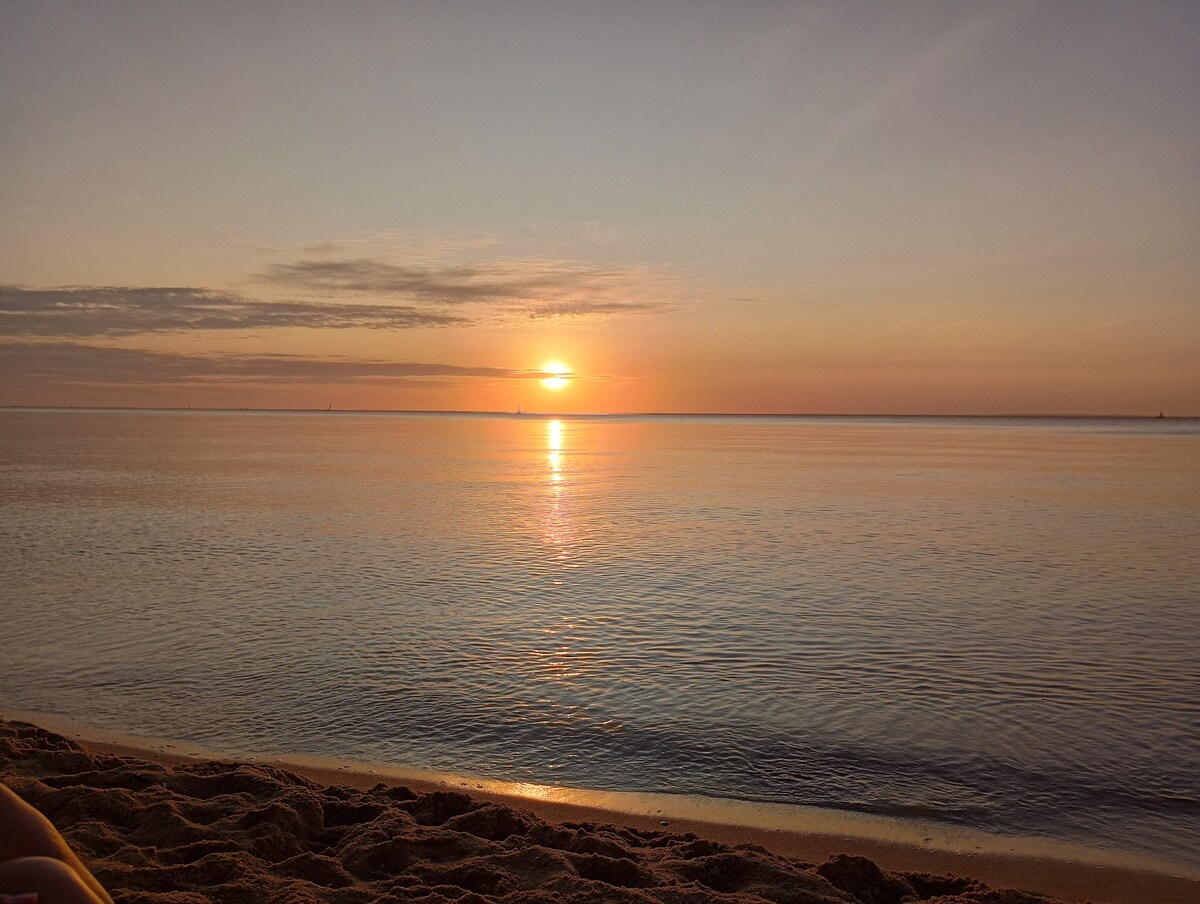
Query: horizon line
(609, 414)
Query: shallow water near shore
(770, 824)
(987, 623)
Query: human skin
(34, 858)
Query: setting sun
(557, 380)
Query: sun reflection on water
(558, 661)
(554, 443)
(557, 522)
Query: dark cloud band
(78, 312)
(62, 362)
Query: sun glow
(557, 379)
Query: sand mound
(248, 833)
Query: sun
(558, 378)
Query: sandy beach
(159, 827)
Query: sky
(802, 207)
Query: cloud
(535, 287)
(62, 362)
(82, 311)
(585, 308)
(897, 87)
(362, 276)
(416, 247)
(400, 298)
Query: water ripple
(988, 623)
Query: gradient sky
(893, 207)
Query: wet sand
(163, 825)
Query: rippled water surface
(989, 622)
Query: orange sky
(981, 208)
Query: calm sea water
(993, 623)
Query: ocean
(992, 623)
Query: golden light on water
(554, 434)
(556, 381)
(557, 521)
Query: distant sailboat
(330, 408)
(1160, 414)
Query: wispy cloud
(414, 247)
(535, 287)
(587, 308)
(354, 293)
(363, 276)
(378, 282)
(62, 362)
(899, 86)
(82, 311)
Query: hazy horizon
(535, 413)
(928, 208)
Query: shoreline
(1039, 866)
